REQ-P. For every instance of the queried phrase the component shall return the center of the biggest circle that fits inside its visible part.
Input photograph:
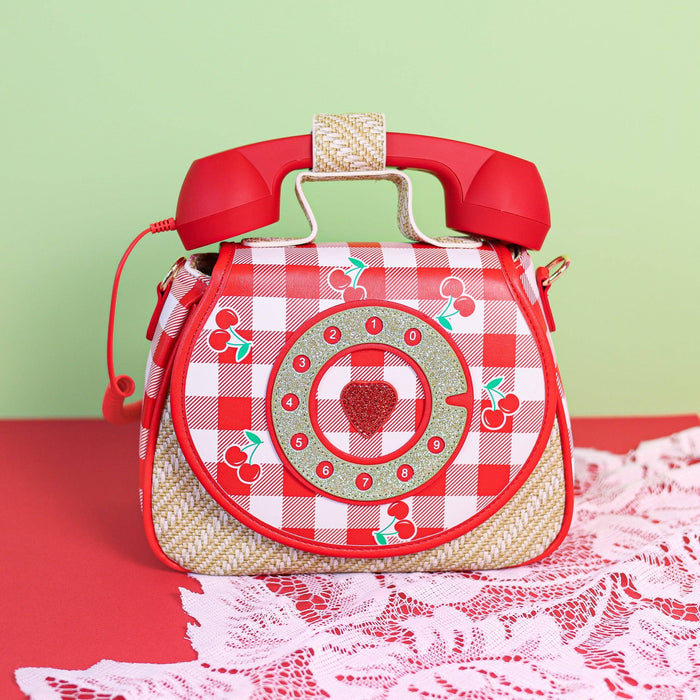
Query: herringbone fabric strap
(348, 142)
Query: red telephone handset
(487, 192)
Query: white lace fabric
(614, 612)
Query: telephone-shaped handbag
(353, 406)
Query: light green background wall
(105, 106)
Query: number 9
(436, 444)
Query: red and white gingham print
(370, 367)
(274, 291)
(188, 285)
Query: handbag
(339, 407)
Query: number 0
(412, 337)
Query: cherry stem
(243, 341)
(388, 527)
(491, 392)
(446, 309)
(357, 276)
(240, 344)
(249, 445)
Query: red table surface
(79, 582)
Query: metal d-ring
(171, 273)
(556, 268)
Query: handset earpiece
(487, 193)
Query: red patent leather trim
(542, 275)
(568, 486)
(166, 346)
(512, 277)
(222, 272)
(162, 291)
(520, 271)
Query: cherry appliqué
(237, 458)
(346, 281)
(401, 525)
(502, 405)
(458, 303)
(225, 335)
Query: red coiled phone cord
(114, 408)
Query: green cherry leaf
(357, 263)
(444, 323)
(379, 537)
(253, 437)
(242, 352)
(493, 384)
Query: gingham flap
(281, 421)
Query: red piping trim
(568, 486)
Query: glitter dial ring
(400, 331)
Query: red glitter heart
(368, 405)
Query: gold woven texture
(348, 142)
(199, 535)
